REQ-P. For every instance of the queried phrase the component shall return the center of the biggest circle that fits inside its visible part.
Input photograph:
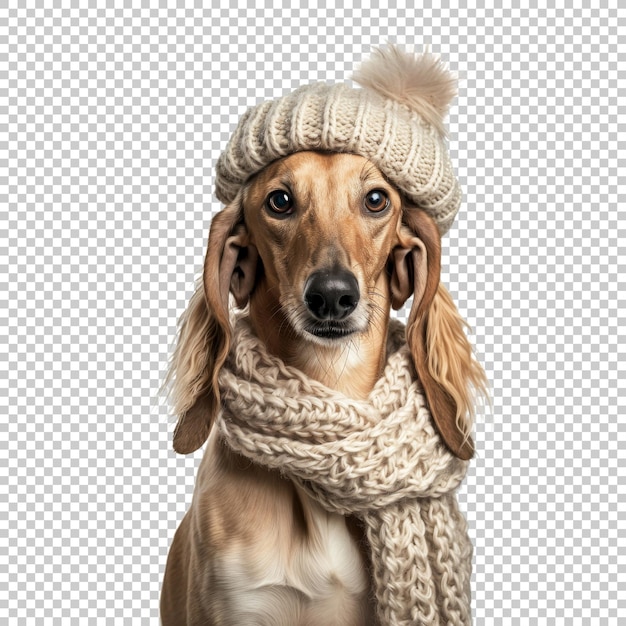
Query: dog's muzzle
(331, 295)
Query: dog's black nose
(331, 295)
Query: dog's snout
(332, 295)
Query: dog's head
(326, 244)
(323, 226)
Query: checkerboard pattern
(111, 120)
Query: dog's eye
(376, 201)
(279, 202)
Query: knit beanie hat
(395, 121)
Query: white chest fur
(281, 559)
(321, 582)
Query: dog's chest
(329, 568)
(311, 580)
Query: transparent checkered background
(111, 120)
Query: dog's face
(324, 226)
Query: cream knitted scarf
(379, 459)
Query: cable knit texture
(378, 122)
(379, 459)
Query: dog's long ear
(204, 329)
(441, 352)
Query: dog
(319, 246)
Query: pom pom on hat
(395, 120)
(422, 83)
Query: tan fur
(253, 548)
(451, 360)
(331, 230)
(203, 344)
